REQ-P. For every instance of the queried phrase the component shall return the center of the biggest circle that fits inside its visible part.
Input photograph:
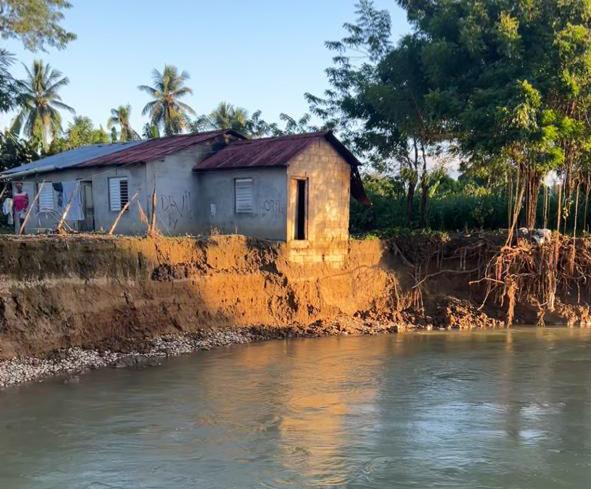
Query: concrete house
(287, 188)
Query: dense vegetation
(498, 88)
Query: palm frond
(63, 106)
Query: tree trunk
(424, 189)
(531, 200)
(424, 201)
(586, 211)
(410, 197)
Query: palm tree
(7, 82)
(225, 116)
(166, 109)
(120, 117)
(40, 104)
(150, 131)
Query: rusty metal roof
(278, 152)
(155, 149)
(269, 152)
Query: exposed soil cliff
(59, 292)
(121, 294)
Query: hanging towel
(7, 210)
(72, 191)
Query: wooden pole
(143, 216)
(121, 212)
(152, 228)
(68, 206)
(31, 205)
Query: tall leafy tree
(35, 22)
(378, 100)
(166, 110)
(511, 80)
(15, 151)
(80, 132)
(296, 126)
(40, 104)
(120, 118)
(259, 127)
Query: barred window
(118, 193)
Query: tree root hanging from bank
(544, 277)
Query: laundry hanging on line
(7, 210)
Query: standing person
(20, 204)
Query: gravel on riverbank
(71, 362)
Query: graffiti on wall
(272, 209)
(175, 208)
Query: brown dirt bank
(121, 293)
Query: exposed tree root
(509, 274)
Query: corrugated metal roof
(268, 152)
(155, 149)
(72, 157)
(278, 152)
(240, 153)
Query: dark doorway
(88, 206)
(300, 217)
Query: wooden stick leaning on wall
(31, 205)
(121, 212)
(142, 214)
(152, 228)
(67, 209)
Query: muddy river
(450, 410)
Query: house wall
(216, 200)
(178, 207)
(130, 222)
(328, 178)
(103, 216)
(177, 210)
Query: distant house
(288, 188)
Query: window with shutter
(46, 197)
(118, 193)
(243, 195)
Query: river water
(450, 410)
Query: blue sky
(259, 54)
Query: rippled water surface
(453, 410)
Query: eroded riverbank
(70, 363)
(68, 304)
